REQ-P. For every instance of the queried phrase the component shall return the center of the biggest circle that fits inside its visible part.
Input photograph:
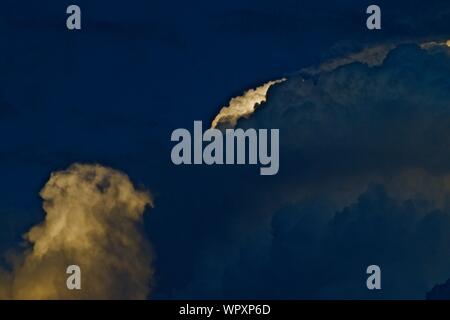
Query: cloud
(93, 218)
(364, 179)
(243, 106)
(433, 44)
(372, 56)
(318, 252)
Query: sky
(364, 174)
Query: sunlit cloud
(243, 106)
(93, 218)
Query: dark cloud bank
(364, 179)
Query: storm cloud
(364, 179)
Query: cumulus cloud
(319, 252)
(243, 106)
(93, 220)
(364, 179)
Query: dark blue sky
(113, 92)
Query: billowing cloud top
(92, 220)
(243, 106)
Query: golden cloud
(243, 106)
(93, 220)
